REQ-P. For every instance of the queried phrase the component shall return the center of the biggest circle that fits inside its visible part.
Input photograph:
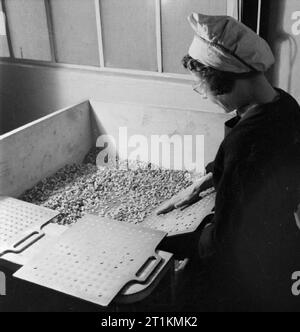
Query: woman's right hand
(188, 196)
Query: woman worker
(256, 173)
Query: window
(176, 32)
(28, 29)
(126, 35)
(129, 37)
(75, 31)
(4, 48)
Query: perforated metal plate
(52, 232)
(136, 288)
(178, 221)
(95, 259)
(18, 221)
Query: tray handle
(24, 243)
(148, 268)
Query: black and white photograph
(149, 158)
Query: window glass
(177, 34)
(28, 29)
(4, 50)
(75, 31)
(129, 34)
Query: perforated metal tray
(95, 259)
(52, 232)
(21, 224)
(178, 222)
(139, 291)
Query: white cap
(223, 43)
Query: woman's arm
(188, 196)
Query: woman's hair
(219, 82)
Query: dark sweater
(257, 178)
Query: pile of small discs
(126, 193)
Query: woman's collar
(244, 111)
